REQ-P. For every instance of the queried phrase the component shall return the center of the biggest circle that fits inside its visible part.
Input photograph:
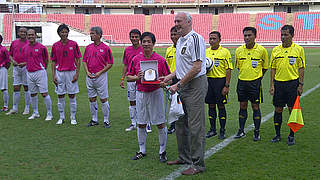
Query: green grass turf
(35, 149)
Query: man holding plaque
(192, 86)
(145, 69)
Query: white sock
(5, 98)
(163, 139)
(142, 138)
(15, 99)
(94, 111)
(34, 102)
(133, 113)
(47, 101)
(73, 107)
(27, 99)
(61, 106)
(105, 111)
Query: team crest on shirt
(101, 50)
(183, 50)
(292, 60)
(254, 64)
(71, 48)
(36, 50)
(216, 62)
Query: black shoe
(138, 156)
(240, 134)
(92, 123)
(277, 138)
(211, 133)
(222, 134)
(171, 130)
(163, 157)
(291, 141)
(106, 125)
(256, 135)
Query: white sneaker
(33, 116)
(26, 111)
(49, 118)
(74, 121)
(60, 121)
(11, 112)
(130, 128)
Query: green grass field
(35, 149)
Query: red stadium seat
(231, 26)
(118, 25)
(306, 26)
(27, 17)
(73, 20)
(268, 26)
(7, 31)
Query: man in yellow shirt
(170, 53)
(252, 61)
(218, 83)
(287, 74)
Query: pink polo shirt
(16, 50)
(129, 53)
(4, 56)
(65, 55)
(163, 70)
(35, 56)
(97, 57)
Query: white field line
(227, 141)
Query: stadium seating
(307, 26)
(27, 17)
(231, 25)
(74, 20)
(118, 25)
(268, 26)
(181, 1)
(7, 31)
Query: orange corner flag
(295, 121)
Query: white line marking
(226, 142)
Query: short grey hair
(97, 29)
(189, 17)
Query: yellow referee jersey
(287, 62)
(170, 53)
(221, 62)
(250, 62)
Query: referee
(218, 83)
(252, 61)
(287, 74)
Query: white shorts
(19, 75)
(3, 78)
(37, 81)
(98, 86)
(132, 89)
(150, 107)
(65, 85)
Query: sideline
(226, 142)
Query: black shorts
(285, 93)
(250, 91)
(214, 93)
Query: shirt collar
(293, 44)
(188, 35)
(254, 47)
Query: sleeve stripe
(131, 67)
(196, 45)
(52, 52)
(167, 67)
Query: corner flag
(295, 121)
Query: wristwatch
(301, 83)
(227, 85)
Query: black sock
(277, 122)
(291, 133)
(243, 115)
(173, 125)
(222, 118)
(212, 118)
(257, 119)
